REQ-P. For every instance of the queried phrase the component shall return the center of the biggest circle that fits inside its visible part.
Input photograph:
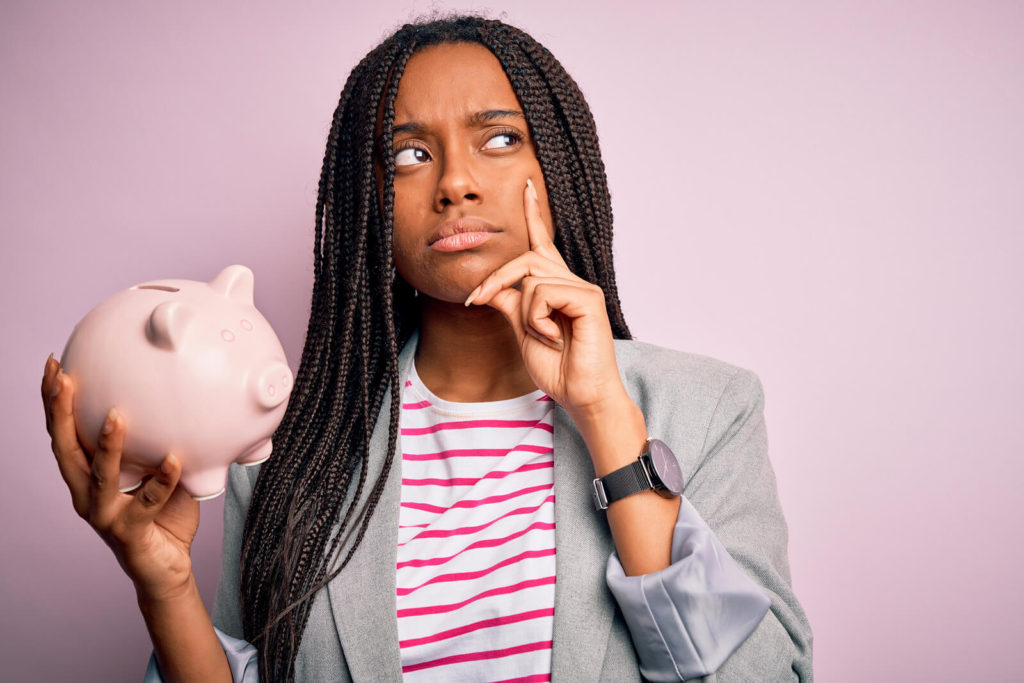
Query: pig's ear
(236, 283)
(169, 324)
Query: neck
(469, 354)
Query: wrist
(153, 598)
(614, 432)
(595, 416)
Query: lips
(461, 233)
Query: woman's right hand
(150, 530)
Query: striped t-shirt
(476, 538)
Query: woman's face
(462, 156)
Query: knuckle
(147, 497)
(104, 442)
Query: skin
(499, 320)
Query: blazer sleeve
(227, 614)
(724, 610)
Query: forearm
(186, 647)
(641, 524)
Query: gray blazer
(710, 414)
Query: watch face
(666, 466)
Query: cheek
(406, 220)
(403, 256)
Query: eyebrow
(476, 119)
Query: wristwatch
(656, 468)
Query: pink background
(828, 193)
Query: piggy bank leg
(206, 484)
(129, 479)
(256, 454)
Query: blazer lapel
(583, 604)
(362, 596)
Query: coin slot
(162, 288)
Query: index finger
(71, 457)
(536, 228)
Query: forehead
(450, 81)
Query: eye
(502, 139)
(410, 156)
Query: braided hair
(304, 511)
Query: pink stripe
(545, 397)
(471, 481)
(503, 590)
(408, 382)
(477, 452)
(477, 656)
(471, 424)
(462, 531)
(535, 678)
(427, 507)
(468, 576)
(458, 453)
(486, 623)
(485, 543)
(413, 526)
(415, 406)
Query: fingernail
(165, 466)
(474, 294)
(48, 359)
(57, 383)
(108, 424)
(533, 190)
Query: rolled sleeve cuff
(688, 618)
(242, 659)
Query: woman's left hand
(559, 319)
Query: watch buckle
(600, 497)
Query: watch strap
(625, 481)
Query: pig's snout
(274, 385)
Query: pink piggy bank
(194, 369)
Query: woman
(464, 322)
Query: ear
(235, 283)
(169, 324)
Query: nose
(457, 183)
(273, 385)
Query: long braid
(305, 519)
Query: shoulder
(686, 397)
(693, 377)
(238, 494)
